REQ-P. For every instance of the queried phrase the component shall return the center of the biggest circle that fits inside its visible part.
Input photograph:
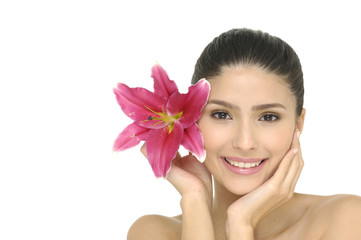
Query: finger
(293, 173)
(295, 169)
(175, 168)
(178, 172)
(294, 149)
(282, 170)
(287, 159)
(300, 159)
(298, 174)
(295, 140)
(174, 176)
(143, 149)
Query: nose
(244, 137)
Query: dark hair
(252, 48)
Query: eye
(269, 117)
(221, 115)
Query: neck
(222, 200)
(284, 215)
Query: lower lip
(243, 171)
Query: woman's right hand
(190, 177)
(194, 182)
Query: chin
(242, 188)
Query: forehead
(248, 86)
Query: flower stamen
(164, 118)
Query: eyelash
(222, 115)
(274, 116)
(217, 116)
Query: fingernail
(295, 150)
(298, 133)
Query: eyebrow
(254, 108)
(224, 104)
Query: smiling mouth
(243, 164)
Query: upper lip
(245, 160)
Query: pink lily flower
(164, 119)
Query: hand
(250, 209)
(190, 177)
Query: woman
(251, 127)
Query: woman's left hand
(251, 208)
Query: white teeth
(242, 164)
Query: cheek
(209, 135)
(278, 143)
(214, 141)
(214, 135)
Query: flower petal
(176, 103)
(130, 137)
(162, 84)
(162, 148)
(193, 141)
(137, 102)
(197, 97)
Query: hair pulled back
(252, 48)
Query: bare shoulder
(341, 215)
(155, 227)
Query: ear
(301, 120)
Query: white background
(59, 61)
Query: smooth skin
(250, 114)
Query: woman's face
(247, 126)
